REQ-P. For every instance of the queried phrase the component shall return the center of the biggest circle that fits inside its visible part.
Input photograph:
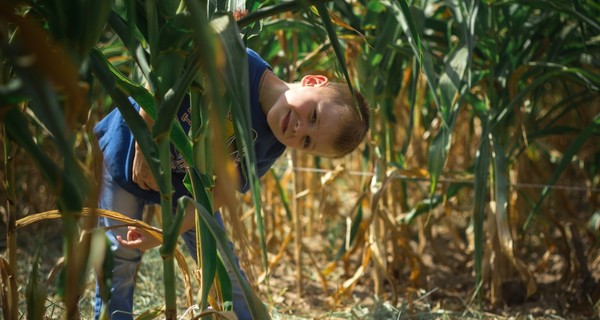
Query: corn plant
(474, 77)
(172, 45)
(475, 98)
(49, 87)
(162, 67)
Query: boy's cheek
(288, 144)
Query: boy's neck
(271, 89)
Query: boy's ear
(313, 80)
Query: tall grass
(485, 101)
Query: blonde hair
(354, 124)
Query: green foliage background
(479, 98)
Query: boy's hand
(141, 173)
(138, 238)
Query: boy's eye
(313, 117)
(306, 142)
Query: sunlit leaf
(479, 195)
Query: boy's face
(303, 120)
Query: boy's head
(319, 117)
(353, 124)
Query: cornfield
(478, 187)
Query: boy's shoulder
(256, 63)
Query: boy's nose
(299, 128)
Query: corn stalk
(475, 117)
(419, 63)
(50, 89)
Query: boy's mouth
(285, 122)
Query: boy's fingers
(152, 184)
(121, 241)
(144, 185)
(136, 179)
(145, 182)
(133, 235)
(130, 244)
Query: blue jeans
(126, 261)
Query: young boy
(313, 115)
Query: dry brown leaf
(127, 221)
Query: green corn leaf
(426, 205)
(168, 69)
(282, 195)
(430, 75)
(401, 17)
(171, 234)
(389, 33)
(78, 25)
(36, 291)
(568, 155)
(204, 34)
(120, 82)
(168, 8)
(166, 206)
(102, 246)
(68, 193)
(302, 27)
(126, 31)
(200, 135)
(204, 155)
(255, 305)
(170, 105)
(48, 112)
(449, 85)
(205, 238)
(593, 225)
(438, 152)
(407, 22)
(122, 86)
(226, 286)
(354, 227)
(567, 8)
(335, 43)
(588, 78)
(39, 79)
(103, 70)
(481, 178)
(413, 107)
(175, 34)
(236, 80)
(152, 25)
(89, 23)
(273, 10)
(501, 195)
(151, 314)
(155, 155)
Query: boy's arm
(140, 172)
(139, 239)
(189, 221)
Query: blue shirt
(118, 145)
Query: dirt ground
(447, 295)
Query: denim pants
(126, 261)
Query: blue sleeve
(262, 168)
(256, 65)
(261, 134)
